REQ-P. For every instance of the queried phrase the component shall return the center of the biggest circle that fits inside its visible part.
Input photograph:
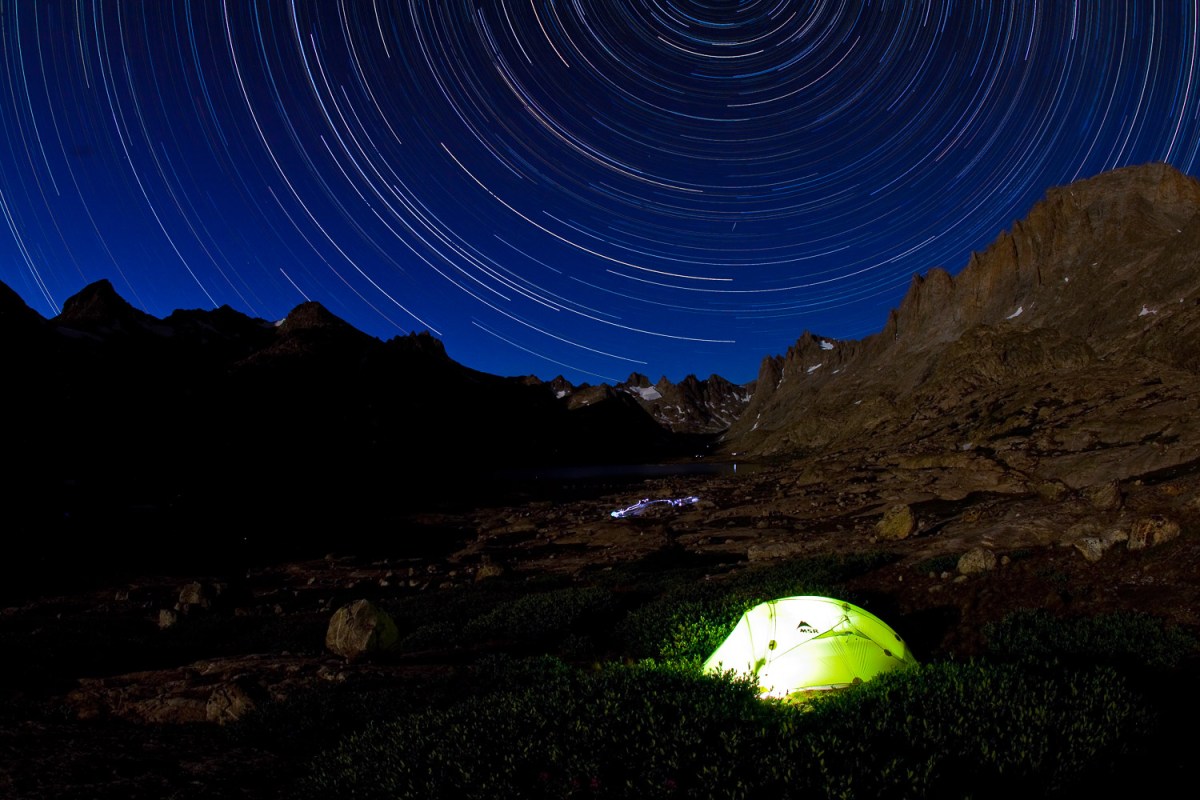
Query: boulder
(1052, 491)
(231, 700)
(194, 595)
(898, 522)
(1106, 496)
(197, 595)
(1094, 547)
(976, 560)
(487, 571)
(361, 630)
(1152, 531)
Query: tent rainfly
(795, 646)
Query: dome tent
(795, 646)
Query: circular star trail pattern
(586, 187)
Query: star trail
(585, 187)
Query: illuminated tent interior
(795, 646)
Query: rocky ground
(142, 688)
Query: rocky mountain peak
(98, 305)
(1077, 252)
(690, 406)
(1100, 273)
(312, 316)
(424, 344)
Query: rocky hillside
(1067, 352)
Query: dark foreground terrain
(220, 684)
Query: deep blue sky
(589, 187)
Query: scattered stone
(231, 701)
(487, 571)
(1106, 496)
(1152, 531)
(976, 560)
(766, 552)
(1079, 531)
(167, 618)
(1094, 547)
(1091, 547)
(194, 595)
(1052, 491)
(361, 630)
(216, 691)
(898, 522)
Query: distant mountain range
(117, 413)
(1068, 349)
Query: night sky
(585, 187)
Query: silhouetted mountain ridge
(210, 411)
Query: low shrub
(646, 731)
(1124, 639)
(938, 564)
(541, 615)
(973, 729)
(660, 731)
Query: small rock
(976, 560)
(195, 595)
(1106, 496)
(765, 552)
(1078, 531)
(1052, 491)
(229, 702)
(898, 522)
(167, 618)
(1152, 531)
(487, 571)
(361, 630)
(1091, 547)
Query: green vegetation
(938, 564)
(1123, 639)
(594, 691)
(659, 731)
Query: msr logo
(804, 627)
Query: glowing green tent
(795, 646)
